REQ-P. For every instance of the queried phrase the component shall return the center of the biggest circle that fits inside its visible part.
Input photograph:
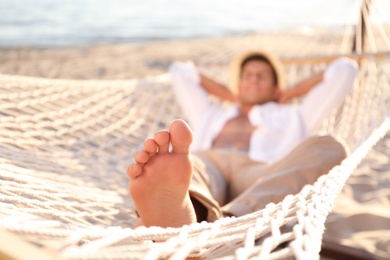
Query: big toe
(181, 136)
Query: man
(246, 155)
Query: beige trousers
(227, 182)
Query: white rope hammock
(65, 146)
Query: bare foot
(159, 180)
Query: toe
(150, 146)
(134, 171)
(181, 136)
(162, 140)
(141, 157)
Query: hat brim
(235, 69)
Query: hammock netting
(65, 146)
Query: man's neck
(244, 109)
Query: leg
(159, 180)
(209, 187)
(311, 159)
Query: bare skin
(235, 134)
(160, 179)
(256, 87)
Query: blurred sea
(85, 22)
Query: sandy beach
(363, 208)
(361, 216)
(135, 60)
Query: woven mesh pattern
(65, 146)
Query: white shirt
(278, 128)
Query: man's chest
(236, 133)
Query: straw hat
(235, 69)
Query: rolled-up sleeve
(192, 98)
(329, 94)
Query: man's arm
(216, 89)
(321, 100)
(192, 98)
(301, 88)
